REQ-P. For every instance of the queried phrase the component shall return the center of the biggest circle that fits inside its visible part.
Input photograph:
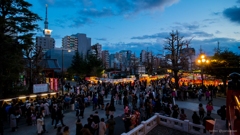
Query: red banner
(51, 83)
(55, 84)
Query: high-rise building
(46, 42)
(111, 60)
(143, 56)
(70, 42)
(97, 49)
(105, 58)
(84, 43)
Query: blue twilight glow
(138, 24)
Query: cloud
(60, 23)
(92, 12)
(157, 35)
(128, 7)
(217, 13)
(66, 3)
(218, 32)
(210, 21)
(209, 44)
(163, 35)
(233, 14)
(188, 26)
(101, 39)
(202, 34)
(80, 21)
(236, 32)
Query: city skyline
(137, 24)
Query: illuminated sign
(47, 32)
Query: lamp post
(62, 67)
(202, 60)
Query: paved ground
(189, 106)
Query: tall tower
(46, 31)
(46, 20)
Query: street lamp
(202, 60)
(62, 67)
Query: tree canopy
(222, 64)
(17, 26)
(89, 66)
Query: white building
(70, 42)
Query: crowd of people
(140, 101)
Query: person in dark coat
(208, 117)
(96, 120)
(222, 112)
(79, 127)
(59, 116)
(53, 115)
(196, 120)
(175, 111)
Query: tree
(78, 66)
(134, 64)
(175, 45)
(17, 24)
(224, 63)
(34, 57)
(94, 66)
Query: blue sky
(140, 24)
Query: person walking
(59, 117)
(102, 127)
(209, 107)
(107, 110)
(201, 111)
(39, 124)
(96, 120)
(53, 115)
(207, 95)
(196, 120)
(13, 121)
(111, 124)
(79, 127)
(200, 95)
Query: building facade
(105, 58)
(84, 43)
(70, 42)
(97, 50)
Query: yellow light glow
(69, 50)
(199, 61)
(6, 100)
(207, 61)
(33, 96)
(48, 31)
(53, 93)
(43, 94)
(202, 56)
(203, 60)
(22, 97)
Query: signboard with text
(39, 88)
(51, 83)
(55, 84)
(47, 80)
